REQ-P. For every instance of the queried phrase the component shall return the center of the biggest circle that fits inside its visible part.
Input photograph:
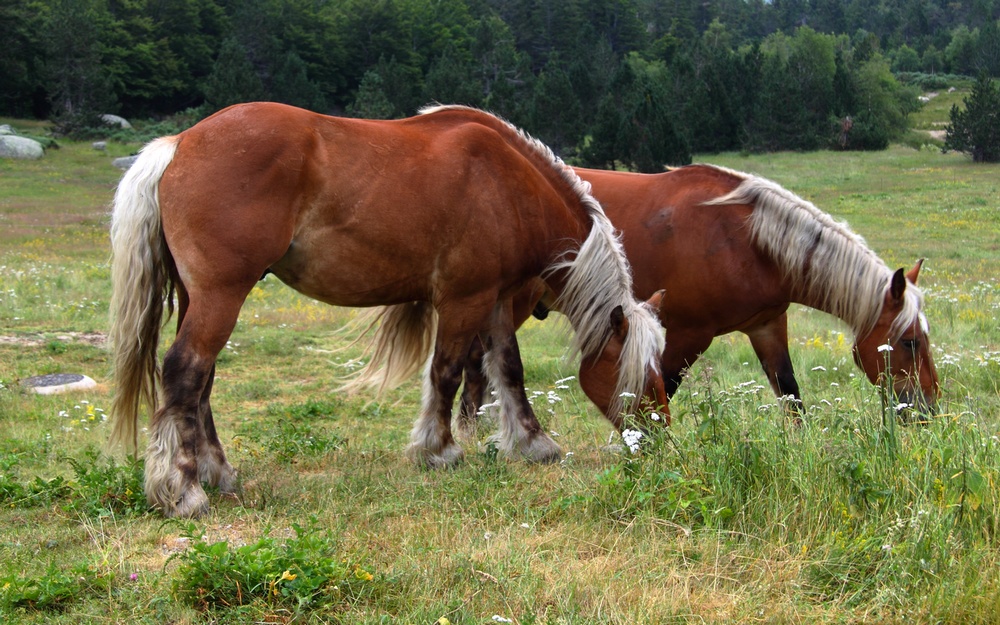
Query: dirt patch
(97, 339)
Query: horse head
(599, 372)
(897, 349)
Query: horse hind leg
(473, 390)
(180, 438)
(431, 441)
(213, 467)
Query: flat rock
(124, 162)
(54, 383)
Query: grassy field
(734, 515)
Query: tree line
(633, 82)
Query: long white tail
(140, 284)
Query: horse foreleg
(520, 430)
(682, 350)
(770, 343)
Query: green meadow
(733, 515)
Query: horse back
(359, 212)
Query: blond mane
(831, 265)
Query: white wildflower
(631, 438)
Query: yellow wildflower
(362, 574)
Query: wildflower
(885, 348)
(631, 438)
(627, 395)
(287, 576)
(654, 416)
(362, 574)
(499, 619)
(525, 526)
(133, 577)
(819, 368)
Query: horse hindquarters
(142, 278)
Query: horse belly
(343, 272)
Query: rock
(114, 120)
(20, 147)
(58, 383)
(5, 129)
(99, 145)
(124, 162)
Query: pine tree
(233, 78)
(975, 129)
(371, 101)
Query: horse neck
(827, 266)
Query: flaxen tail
(140, 284)
(402, 343)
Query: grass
(733, 516)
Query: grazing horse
(732, 251)
(454, 209)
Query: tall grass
(734, 514)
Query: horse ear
(619, 324)
(656, 300)
(897, 286)
(912, 274)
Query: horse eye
(910, 344)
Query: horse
(733, 250)
(453, 210)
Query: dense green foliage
(640, 82)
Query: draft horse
(733, 250)
(454, 209)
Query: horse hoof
(227, 482)
(541, 449)
(192, 504)
(449, 456)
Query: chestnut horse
(454, 209)
(733, 250)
